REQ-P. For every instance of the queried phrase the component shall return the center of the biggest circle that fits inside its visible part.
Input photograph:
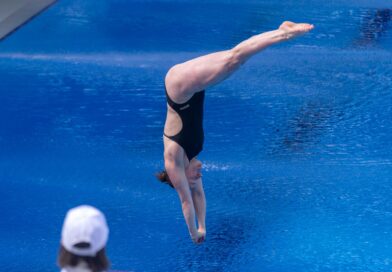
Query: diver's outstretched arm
(176, 171)
(199, 202)
(195, 75)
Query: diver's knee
(234, 59)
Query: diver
(183, 138)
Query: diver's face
(194, 169)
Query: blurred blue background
(297, 158)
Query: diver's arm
(180, 183)
(199, 201)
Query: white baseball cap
(84, 224)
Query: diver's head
(192, 173)
(164, 178)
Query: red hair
(164, 178)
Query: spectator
(83, 241)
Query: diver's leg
(184, 79)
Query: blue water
(298, 152)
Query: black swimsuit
(191, 136)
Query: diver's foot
(292, 30)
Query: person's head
(164, 178)
(192, 172)
(83, 239)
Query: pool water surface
(297, 155)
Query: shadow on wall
(375, 25)
(305, 128)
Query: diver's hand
(202, 233)
(199, 237)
